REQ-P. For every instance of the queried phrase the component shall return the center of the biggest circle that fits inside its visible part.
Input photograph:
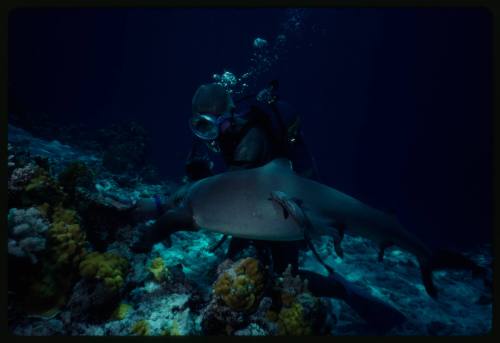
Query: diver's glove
(198, 168)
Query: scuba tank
(287, 123)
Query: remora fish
(237, 203)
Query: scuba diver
(250, 133)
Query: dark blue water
(396, 104)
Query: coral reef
(291, 321)
(298, 312)
(103, 217)
(241, 285)
(92, 301)
(67, 240)
(188, 249)
(218, 319)
(76, 174)
(290, 286)
(141, 328)
(304, 316)
(158, 269)
(121, 311)
(59, 155)
(108, 267)
(172, 330)
(31, 185)
(44, 289)
(47, 293)
(237, 293)
(65, 203)
(27, 233)
(20, 177)
(10, 156)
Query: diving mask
(208, 127)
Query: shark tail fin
(445, 259)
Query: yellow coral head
(107, 267)
(241, 286)
(158, 269)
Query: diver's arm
(198, 166)
(155, 207)
(198, 163)
(149, 208)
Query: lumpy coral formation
(66, 238)
(47, 293)
(10, 156)
(121, 311)
(45, 287)
(27, 233)
(291, 321)
(241, 286)
(76, 174)
(290, 286)
(300, 311)
(140, 328)
(158, 269)
(42, 188)
(172, 330)
(20, 177)
(108, 267)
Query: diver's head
(213, 99)
(212, 109)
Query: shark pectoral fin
(338, 248)
(381, 316)
(308, 240)
(382, 246)
(289, 205)
(337, 240)
(426, 272)
(282, 205)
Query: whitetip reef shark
(273, 203)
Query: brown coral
(241, 286)
(76, 174)
(290, 286)
(158, 269)
(300, 312)
(291, 321)
(42, 188)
